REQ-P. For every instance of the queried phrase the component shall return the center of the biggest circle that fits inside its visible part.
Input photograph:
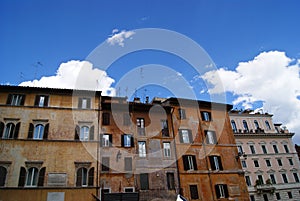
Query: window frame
(206, 116)
(140, 125)
(185, 136)
(167, 150)
(221, 191)
(142, 149)
(194, 192)
(211, 137)
(105, 118)
(181, 113)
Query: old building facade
(268, 156)
(61, 144)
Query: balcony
(264, 188)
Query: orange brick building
(61, 144)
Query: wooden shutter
(217, 191)
(110, 140)
(41, 176)
(92, 133)
(194, 162)
(220, 163)
(16, 131)
(144, 181)
(185, 162)
(91, 177)
(132, 141)
(46, 101)
(190, 136)
(122, 140)
(101, 140)
(45, 136)
(212, 163)
(88, 103)
(22, 177)
(80, 103)
(77, 131)
(9, 97)
(79, 177)
(22, 99)
(1, 128)
(37, 100)
(180, 136)
(30, 131)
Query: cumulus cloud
(271, 77)
(119, 38)
(76, 75)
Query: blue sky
(237, 35)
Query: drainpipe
(98, 145)
(178, 176)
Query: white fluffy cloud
(76, 75)
(119, 38)
(271, 77)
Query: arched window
(3, 173)
(233, 125)
(268, 125)
(9, 130)
(245, 126)
(256, 124)
(32, 176)
(81, 178)
(38, 131)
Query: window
(244, 164)
(260, 179)
(85, 177)
(9, 131)
(81, 177)
(248, 180)
(189, 162)
(3, 173)
(268, 125)
(291, 161)
(105, 140)
(273, 180)
(32, 177)
(265, 196)
(181, 113)
(279, 162)
(290, 195)
(256, 124)
(38, 131)
(296, 177)
(105, 118)
(84, 103)
(233, 125)
(128, 163)
(215, 163)
(167, 149)
(41, 101)
(164, 128)
(126, 119)
(268, 163)
(170, 181)
(240, 149)
(127, 140)
(15, 99)
(275, 148)
(140, 123)
(194, 192)
(256, 164)
(286, 148)
(284, 178)
(129, 189)
(210, 137)
(142, 148)
(144, 181)
(252, 198)
(252, 149)
(206, 116)
(246, 129)
(84, 133)
(278, 196)
(185, 136)
(105, 164)
(264, 149)
(221, 191)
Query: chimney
(136, 100)
(147, 99)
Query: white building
(268, 157)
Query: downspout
(98, 145)
(206, 159)
(178, 176)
